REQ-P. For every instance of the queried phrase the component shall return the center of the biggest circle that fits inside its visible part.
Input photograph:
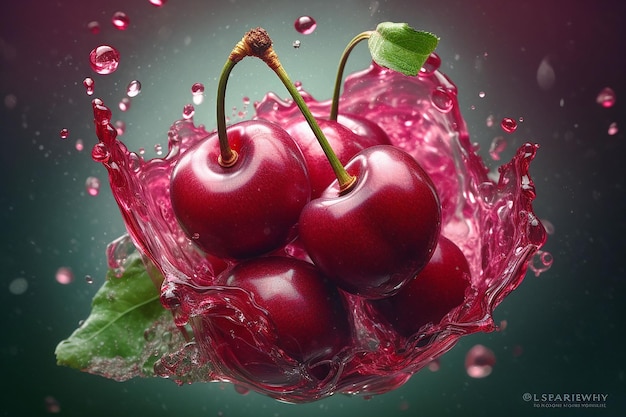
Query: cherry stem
(261, 46)
(334, 108)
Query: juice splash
(491, 221)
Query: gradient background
(569, 321)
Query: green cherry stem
(334, 108)
(259, 42)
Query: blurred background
(544, 62)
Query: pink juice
(492, 222)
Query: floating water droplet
(158, 3)
(18, 286)
(296, 44)
(490, 121)
(94, 27)
(305, 25)
(479, 361)
(606, 97)
(158, 148)
(442, 100)
(79, 145)
(498, 145)
(434, 366)
(613, 129)
(64, 275)
(92, 185)
(124, 104)
(120, 20)
(482, 94)
(89, 84)
(545, 74)
(133, 88)
(88, 279)
(100, 153)
(540, 262)
(120, 127)
(508, 125)
(104, 59)
(188, 111)
(64, 133)
(246, 101)
(52, 405)
(197, 88)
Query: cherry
(306, 311)
(436, 290)
(373, 235)
(250, 207)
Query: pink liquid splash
(492, 222)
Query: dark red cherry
(437, 289)
(246, 209)
(307, 313)
(380, 233)
(345, 142)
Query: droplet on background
(158, 148)
(88, 279)
(508, 125)
(120, 127)
(613, 129)
(441, 100)
(498, 145)
(89, 84)
(305, 25)
(296, 44)
(240, 389)
(188, 111)
(490, 120)
(547, 224)
(482, 94)
(124, 104)
(52, 405)
(158, 3)
(92, 185)
(104, 59)
(64, 275)
(79, 145)
(64, 133)
(94, 27)
(540, 262)
(606, 98)
(479, 361)
(434, 366)
(18, 286)
(133, 89)
(120, 20)
(545, 74)
(197, 93)
(10, 101)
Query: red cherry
(246, 209)
(308, 315)
(436, 290)
(380, 233)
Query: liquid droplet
(188, 111)
(158, 3)
(124, 104)
(296, 44)
(79, 145)
(305, 25)
(442, 100)
(613, 129)
(133, 88)
(94, 27)
(52, 405)
(540, 262)
(88, 279)
(104, 59)
(498, 145)
(120, 127)
(100, 153)
(64, 133)
(92, 185)
(545, 75)
(479, 361)
(18, 286)
(120, 20)
(197, 88)
(606, 98)
(64, 275)
(240, 389)
(490, 121)
(158, 148)
(89, 84)
(508, 125)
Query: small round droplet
(120, 20)
(490, 120)
(89, 84)
(158, 148)
(18, 286)
(545, 74)
(120, 126)
(94, 27)
(188, 111)
(442, 100)
(540, 262)
(305, 25)
(79, 145)
(158, 3)
(498, 145)
(10, 101)
(613, 129)
(508, 125)
(52, 405)
(133, 88)
(64, 133)
(482, 94)
(246, 101)
(197, 88)
(64, 275)
(606, 98)
(124, 104)
(88, 279)
(104, 59)
(92, 185)
(479, 361)
(296, 44)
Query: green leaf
(399, 47)
(123, 335)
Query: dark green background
(569, 321)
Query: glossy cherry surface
(437, 289)
(382, 232)
(306, 311)
(246, 209)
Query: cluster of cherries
(305, 215)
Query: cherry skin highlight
(246, 209)
(344, 142)
(306, 313)
(378, 235)
(433, 293)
